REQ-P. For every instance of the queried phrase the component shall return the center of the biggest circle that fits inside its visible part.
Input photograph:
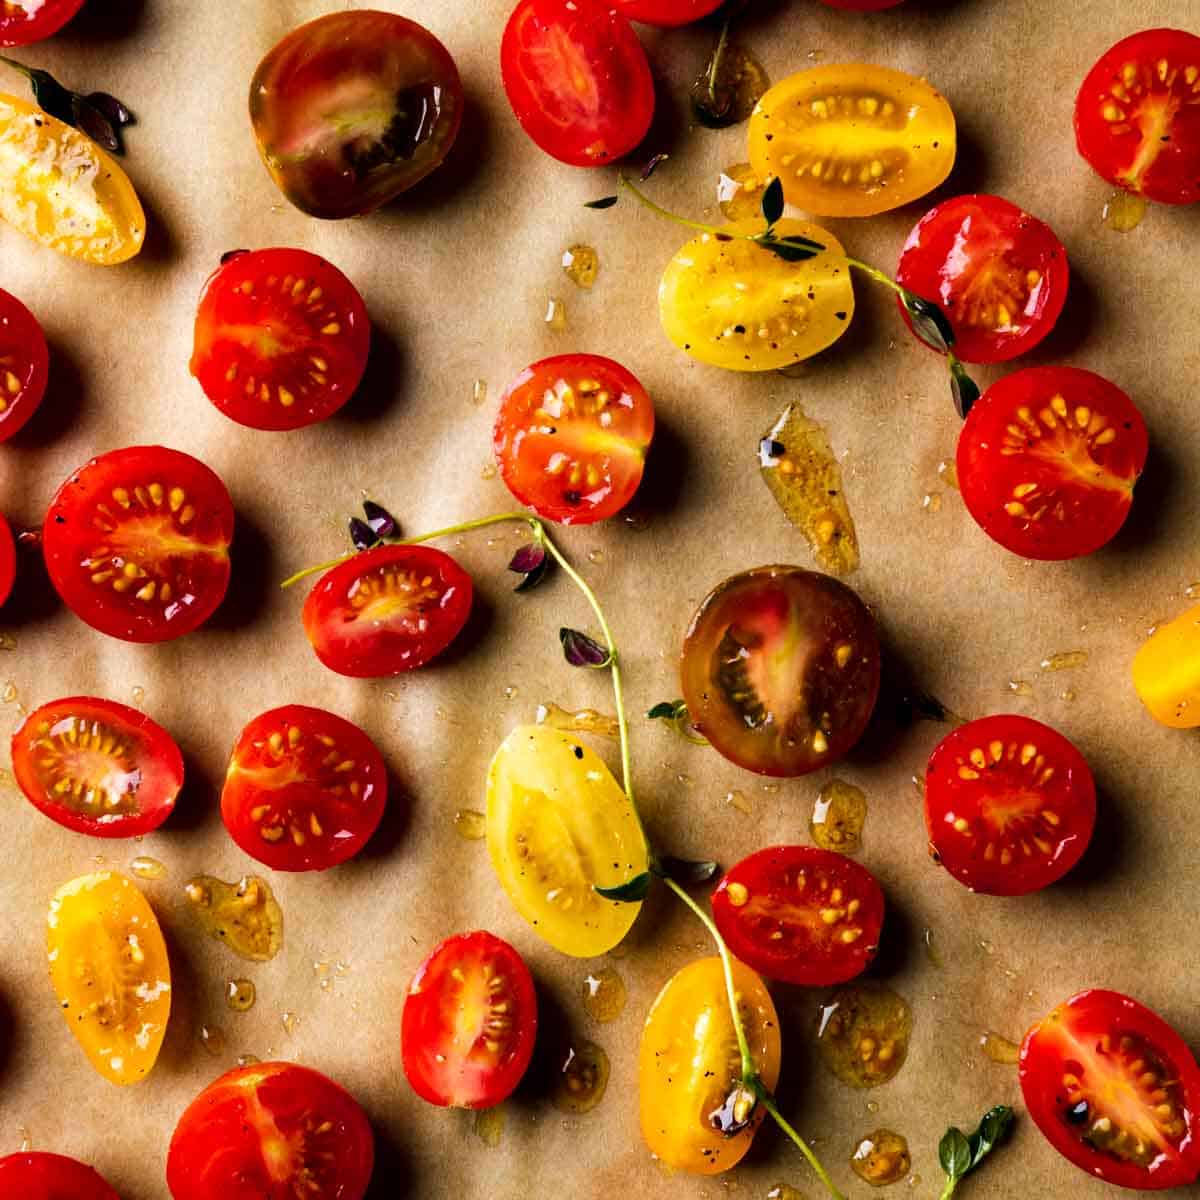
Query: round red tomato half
(1010, 805)
(97, 767)
(469, 1022)
(26, 21)
(1115, 1091)
(35, 1175)
(387, 610)
(24, 357)
(137, 543)
(1047, 460)
(8, 560)
(577, 79)
(800, 914)
(304, 789)
(1000, 275)
(666, 13)
(571, 437)
(271, 1131)
(1137, 116)
(282, 338)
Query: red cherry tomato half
(571, 437)
(36, 1175)
(137, 543)
(1009, 804)
(577, 79)
(1115, 1091)
(666, 13)
(469, 1022)
(282, 338)
(271, 1131)
(8, 560)
(1047, 460)
(800, 914)
(26, 21)
(1000, 274)
(387, 610)
(862, 5)
(24, 357)
(1137, 116)
(97, 767)
(304, 789)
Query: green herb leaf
(772, 201)
(954, 1153)
(929, 322)
(98, 115)
(791, 249)
(686, 870)
(583, 651)
(603, 202)
(668, 710)
(993, 1129)
(631, 892)
(962, 387)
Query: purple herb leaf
(382, 523)
(95, 124)
(112, 108)
(653, 165)
(528, 558)
(362, 535)
(583, 651)
(684, 870)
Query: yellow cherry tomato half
(689, 1064)
(109, 968)
(852, 140)
(60, 189)
(730, 303)
(558, 826)
(1166, 671)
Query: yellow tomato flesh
(109, 968)
(559, 825)
(1166, 672)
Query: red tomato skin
(422, 1025)
(668, 14)
(36, 1175)
(8, 560)
(24, 359)
(932, 261)
(580, 130)
(25, 29)
(1096, 1012)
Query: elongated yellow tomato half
(730, 303)
(689, 1064)
(108, 965)
(852, 140)
(1166, 671)
(62, 190)
(558, 826)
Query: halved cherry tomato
(354, 108)
(35, 1175)
(387, 610)
(1000, 274)
(689, 1065)
(1166, 671)
(97, 766)
(780, 669)
(558, 827)
(577, 79)
(26, 21)
(800, 914)
(571, 437)
(8, 560)
(1010, 805)
(109, 969)
(282, 338)
(666, 13)
(469, 1022)
(271, 1131)
(1115, 1091)
(60, 189)
(1137, 116)
(137, 543)
(732, 304)
(304, 789)
(853, 140)
(24, 363)
(1047, 460)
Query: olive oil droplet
(838, 817)
(1020, 687)
(604, 995)
(930, 950)
(729, 97)
(7, 641)
(947, 473)
(595, 557)
(489, 1125)
(881, 1158)
(243, 915)
(510, 692)
(1000, 1049)
(583, 1078)
(248, 1060)
(145, 867)
(479, 392)
(470, 824)
(1123, 211)
(863, 1034)
(784, 1191)
(1065, 660)
(740, 801)
(584, 720)
(556, 314)
(487, 471)
(290, 1021)
(10, 692)
(581, 265)
(26, 1139)
(931, 502)
(240, 995)
(739, 193)
(138, 694)
(212, 1039)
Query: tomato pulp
(24, 365)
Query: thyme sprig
(99, 115)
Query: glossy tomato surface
(26, 21)
(97, 767)
(36, 1175)
(577, 79)
(1137, 116)
(271, 1131)
(780, 669)
(1047, 460)
(387, 610)
(137, 543)
(1000, 275)
(8, 560)
(666, 13)
(1115, 1091)
(1010, 805)
(24, 364)
(304, 789)
(800, 914)
(282, 338)
(1166, 671)
(571, 437)
(469, 1022)
(354, 108)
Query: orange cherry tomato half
(469, 1022)
(1047, 460)
(26, 21)
(35, 1175)
(282, 338)
(571, 437)
(1010, 805)
(666, 13)
(8, 560)
(271, 1131)
(24, 364)
(577, 79)
(304, 789)
(1137, 116)
(1115, 1091)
